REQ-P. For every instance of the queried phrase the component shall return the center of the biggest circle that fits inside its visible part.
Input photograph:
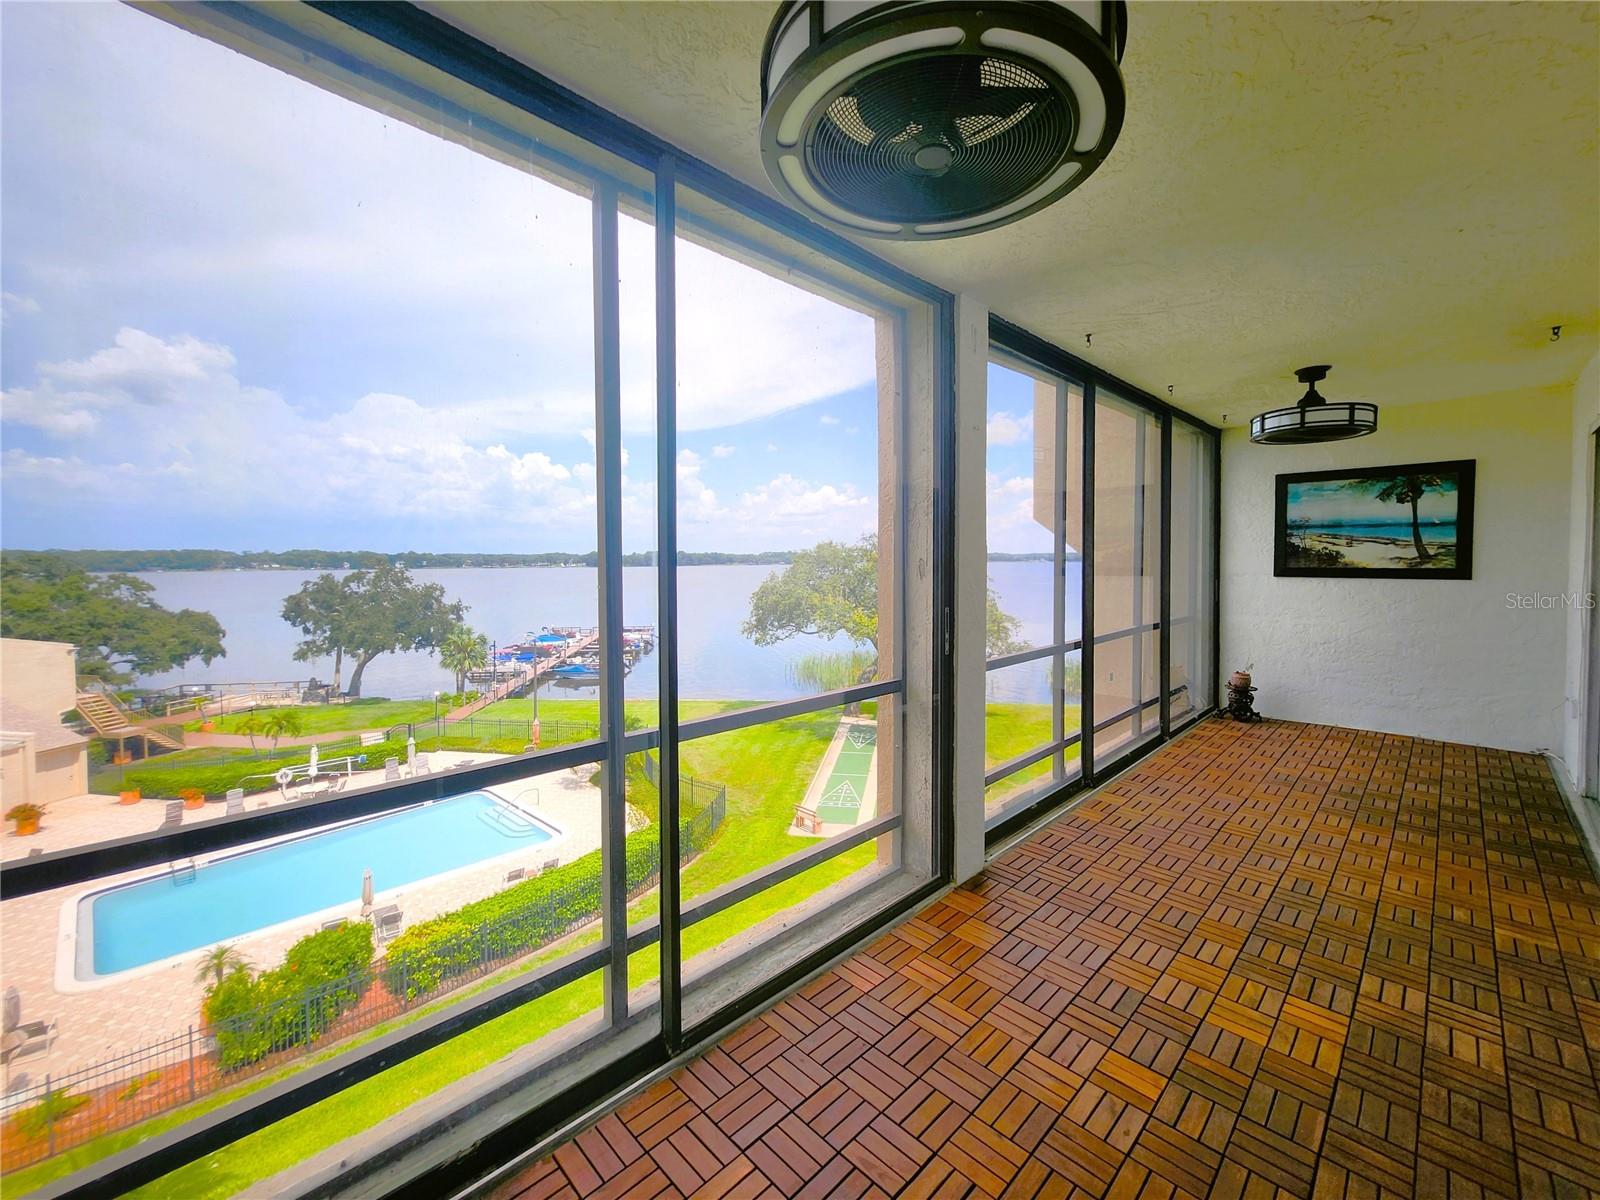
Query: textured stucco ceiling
(1408, 191)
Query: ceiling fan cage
(926, 120)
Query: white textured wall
(1433, 658)
(1585, 419)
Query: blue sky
(263, 316)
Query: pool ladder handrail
(182, 873)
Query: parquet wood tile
(1271, 961)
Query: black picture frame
(1289, 559)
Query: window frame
(436, 44)
(1009, 341)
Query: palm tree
(282, 723)
(250, 726)
(216, 964)
(461, 651)
(1405, 489)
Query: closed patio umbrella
(411, 751)
(313, 761)
(366, 891)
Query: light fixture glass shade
(1314, 423)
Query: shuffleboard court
(840, 802)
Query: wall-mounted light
(1313, 419)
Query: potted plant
(27, 818)
(207, 725)
(192, 798)
(128, 796)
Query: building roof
(47, 730)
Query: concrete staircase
(111, 721)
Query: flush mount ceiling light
(1313, 419)
(923, 120)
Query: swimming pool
(152, 919)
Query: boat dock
(514, 674)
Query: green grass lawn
(328, 718)
(766, 770)
(1010, 730)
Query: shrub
(137, 1085)
(322, 975)
(56, 1106)
(512, 922)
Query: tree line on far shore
(96, 561)
(828, 591)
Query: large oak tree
(832, 589)
(368, 613)
(119, 629)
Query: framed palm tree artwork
(1412, 522)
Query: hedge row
(324, 973)
(520, 918)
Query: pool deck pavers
(97, 1022)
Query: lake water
(715, 661)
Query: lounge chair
(516, 874)
(550, 864)
(386, 922)
(336, 923)
(235, 802)
(174, 816)
(23, 1039)
(391, 770)
(420, 765)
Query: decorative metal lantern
(1314, 419)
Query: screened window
(1034, 611)
(1124, 597)
(548, 682)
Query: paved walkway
(237, 741)
(1272, 961)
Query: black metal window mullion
(608, 489)
(1086, 589)
(1215, 689)
(666, 212)
(1058, 660)
(1164, 647)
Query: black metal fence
(487, 729)
(64, 1110)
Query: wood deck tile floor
(1273, 960)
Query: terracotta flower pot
(192, 802)
(207, 726)
(121, 758)
(1239, 679)
(27, 826)
(128, 796)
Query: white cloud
(176, 408)
(13, 305)
(1010, 520)
(1009, 429)
(696, 501)
(810, 511)
(722, 452)
(828, 419)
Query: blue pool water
(157, 918)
